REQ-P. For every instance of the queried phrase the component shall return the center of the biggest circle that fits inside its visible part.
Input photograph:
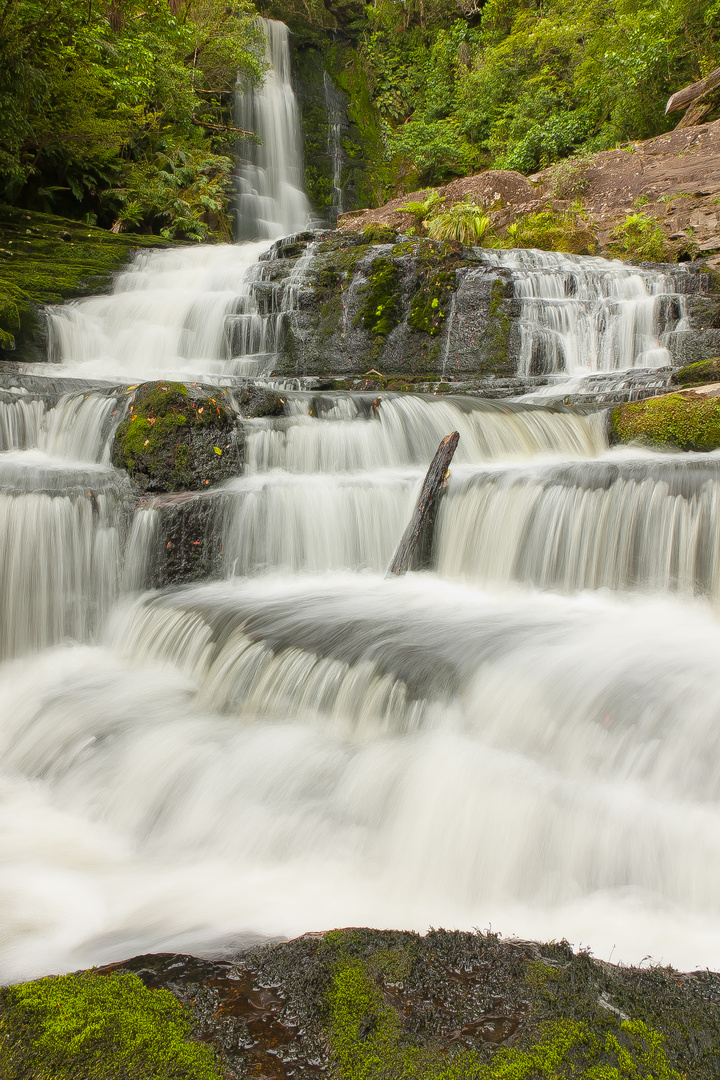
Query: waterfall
(526, 734)
(271, 199)
(581, 314)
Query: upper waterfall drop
(271, 201)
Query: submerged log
(432, 489)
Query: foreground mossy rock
(178, 438)
(362, 1004)
(92, 1027)
(46, 259)
(707, 371)
(672, 420)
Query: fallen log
(432, 489)
(691, 93)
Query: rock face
(360, 304)
(386, 1004)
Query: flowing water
(525, 735)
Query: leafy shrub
(464, 221)
(571, 178)
(551, 231)
(640, 239)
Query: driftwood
(432, 489)
(691, 93)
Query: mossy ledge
(361, 1004)
(699, 374)
(177, 438)
(673, 420)
(46, 259)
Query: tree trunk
(691, 93)
(431, 491)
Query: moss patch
(174, 441)
(706, 371)
(380, 310)
(91, 1027)
(670, 421)
(46, 259)
(430, 303)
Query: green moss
(380, 309)
(92, 1027)
(154, 443)
(706, 371)
(368, 1041)
(46, 259)
(670, 421)
(431, 301)
(497, 295)
(379, 234)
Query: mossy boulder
(362, 1004)
(93, 1027)
(707, 371)
(177, 438)
(671, 420)
(46, 259)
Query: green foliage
(422, 208)
(670, 420)
(369, 1043)
(549, 230)
(706, 371)
(379, 234)
(570, 178)
(380, 310)
(93, 1027)
(641, 239)
(123, 110)
(466, 222)
(429, 304)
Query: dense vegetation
(120, 112)
(459, 85)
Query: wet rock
(178, 437)
(391, 1004)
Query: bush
(641, 239)
(551, 231)
(466, 222)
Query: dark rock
(178, 438)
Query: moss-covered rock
(381, 299)
(177, 438)
(46, 259)
(706, 371)
(361, 1004)
(92, 1027)
(671, 420)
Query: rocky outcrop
(380, 1004)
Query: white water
(526, 737)
(582, 314)
(272, 200)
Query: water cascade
(272, 200)
(336, 122)
(581, 314)
(524, 735)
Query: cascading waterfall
(581, 314)
(526, 735)
(271, 200)
(336, 122)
